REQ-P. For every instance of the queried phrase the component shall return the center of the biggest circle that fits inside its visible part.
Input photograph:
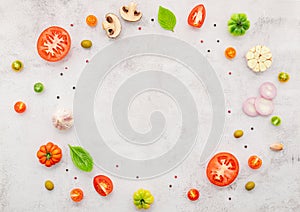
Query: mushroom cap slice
(129, 13)
(112, 25)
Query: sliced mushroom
(112, 25)
(129, 13)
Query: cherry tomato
(193, 194)
(54, 44)
(17, 65)
(254, 162)
(230, 53)
(76, 194)
(20, 107)
(197, 16)
(222, 169)
(91, 20)
(103, 185)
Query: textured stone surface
(276, 25)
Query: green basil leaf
(166, 19)
(81, 158)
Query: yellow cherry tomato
(91, 20)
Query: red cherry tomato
(222, 169)
(197, 16)
(254, 162)
(20, 107)
(193, 194)
(103, 185)
(53, 44)
(76, 194)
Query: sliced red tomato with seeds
(54, 44)
(222, 169)
(103, 185)
(197, 16)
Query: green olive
(49, 185)
(250, 185)
(86, 44)
(238, 133)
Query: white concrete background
(275, 24)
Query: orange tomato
(49, 154)
(230, 53)
(254, 162)
(91, 20)
(20, 107)
(76, 194)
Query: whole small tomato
(49, 154)
(193, 194)
(76, 194)
(103, 185)
(254, 162)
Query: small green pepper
(86, 44)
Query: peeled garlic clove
(276, 147)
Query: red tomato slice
(197, 16)
(103, 185)
(222, 169)
(54, 44)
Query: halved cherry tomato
(103, 185)
(193, 194)
(222, 169)
(197, 16)
(76, 194)
(54, 44)
(254, 162)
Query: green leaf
(81, 158)
(166, 19)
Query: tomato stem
(48, 155)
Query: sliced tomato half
(197, 16)
(103, 185)
(222, 169)
(54, 44)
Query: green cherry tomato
(38, 87)
(142, 199)
(275, 120)
(238, 24)
(86, 44)
(17, 65)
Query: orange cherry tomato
(197, 16)
(20, 107)
(193, 194)
(222, 169)
(91, 20)
(54, 44)
(76, 194)
(230, 53)
(254, 162)
(49, 154)
(103, 185)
